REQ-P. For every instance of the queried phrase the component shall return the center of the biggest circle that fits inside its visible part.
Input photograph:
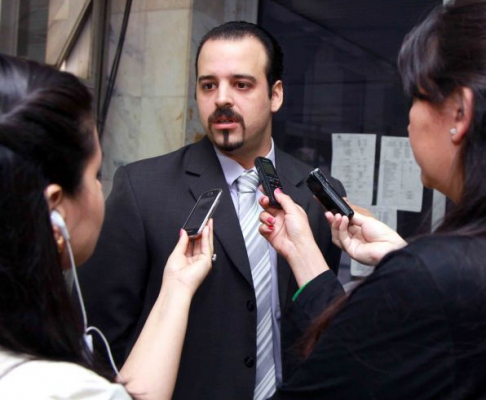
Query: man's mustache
(225, 113)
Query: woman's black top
(415, 329)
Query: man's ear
(277, 96)
(463, 113)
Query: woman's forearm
(306, 262)
(151, 368)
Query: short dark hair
(238, 30)
(446, 52)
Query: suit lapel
(204, 173)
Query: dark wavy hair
(46, 136)
(445, 52)
(238, 30)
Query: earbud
(58, 220)
(89, 341)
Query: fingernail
(271, 227)
(278, 190)
(271, 220)
(180, 232)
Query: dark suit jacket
(414, 329)
(148, 205)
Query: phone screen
(201, 212)
(268, 168)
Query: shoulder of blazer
(293, 169)
(297, 171)
(193, 158)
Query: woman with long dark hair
(416, 328)
(51, 203)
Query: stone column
(147, 111)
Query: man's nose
(224, 96)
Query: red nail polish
(180, 232)
(271, 227)
(278, 190)
(271, 220)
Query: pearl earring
(453, 131)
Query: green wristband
(294, 297)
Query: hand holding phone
(268, 178)
(202, 212)
(327, 195)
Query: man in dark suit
(239, 87)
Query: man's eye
(207, 86)
(242, 85)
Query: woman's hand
(366, 239)
(286, 228)
(190, 261)
(289, 233)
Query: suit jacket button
(249, 362)
(250, 305)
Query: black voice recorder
(268, 178)
(327, 195)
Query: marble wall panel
(78, 61)
(147, 112)
(162, 125)
(121, 137)
(131, 69)
(118, 6)
(213, 9)
(64, 15)
(167, 4)
(166, 53)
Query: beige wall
(146, 116)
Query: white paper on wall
(387, 215)
(353, 162)
(399, 182)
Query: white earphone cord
(83, 312)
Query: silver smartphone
(201, 212)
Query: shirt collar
(232, 170)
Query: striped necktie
(257, 249)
